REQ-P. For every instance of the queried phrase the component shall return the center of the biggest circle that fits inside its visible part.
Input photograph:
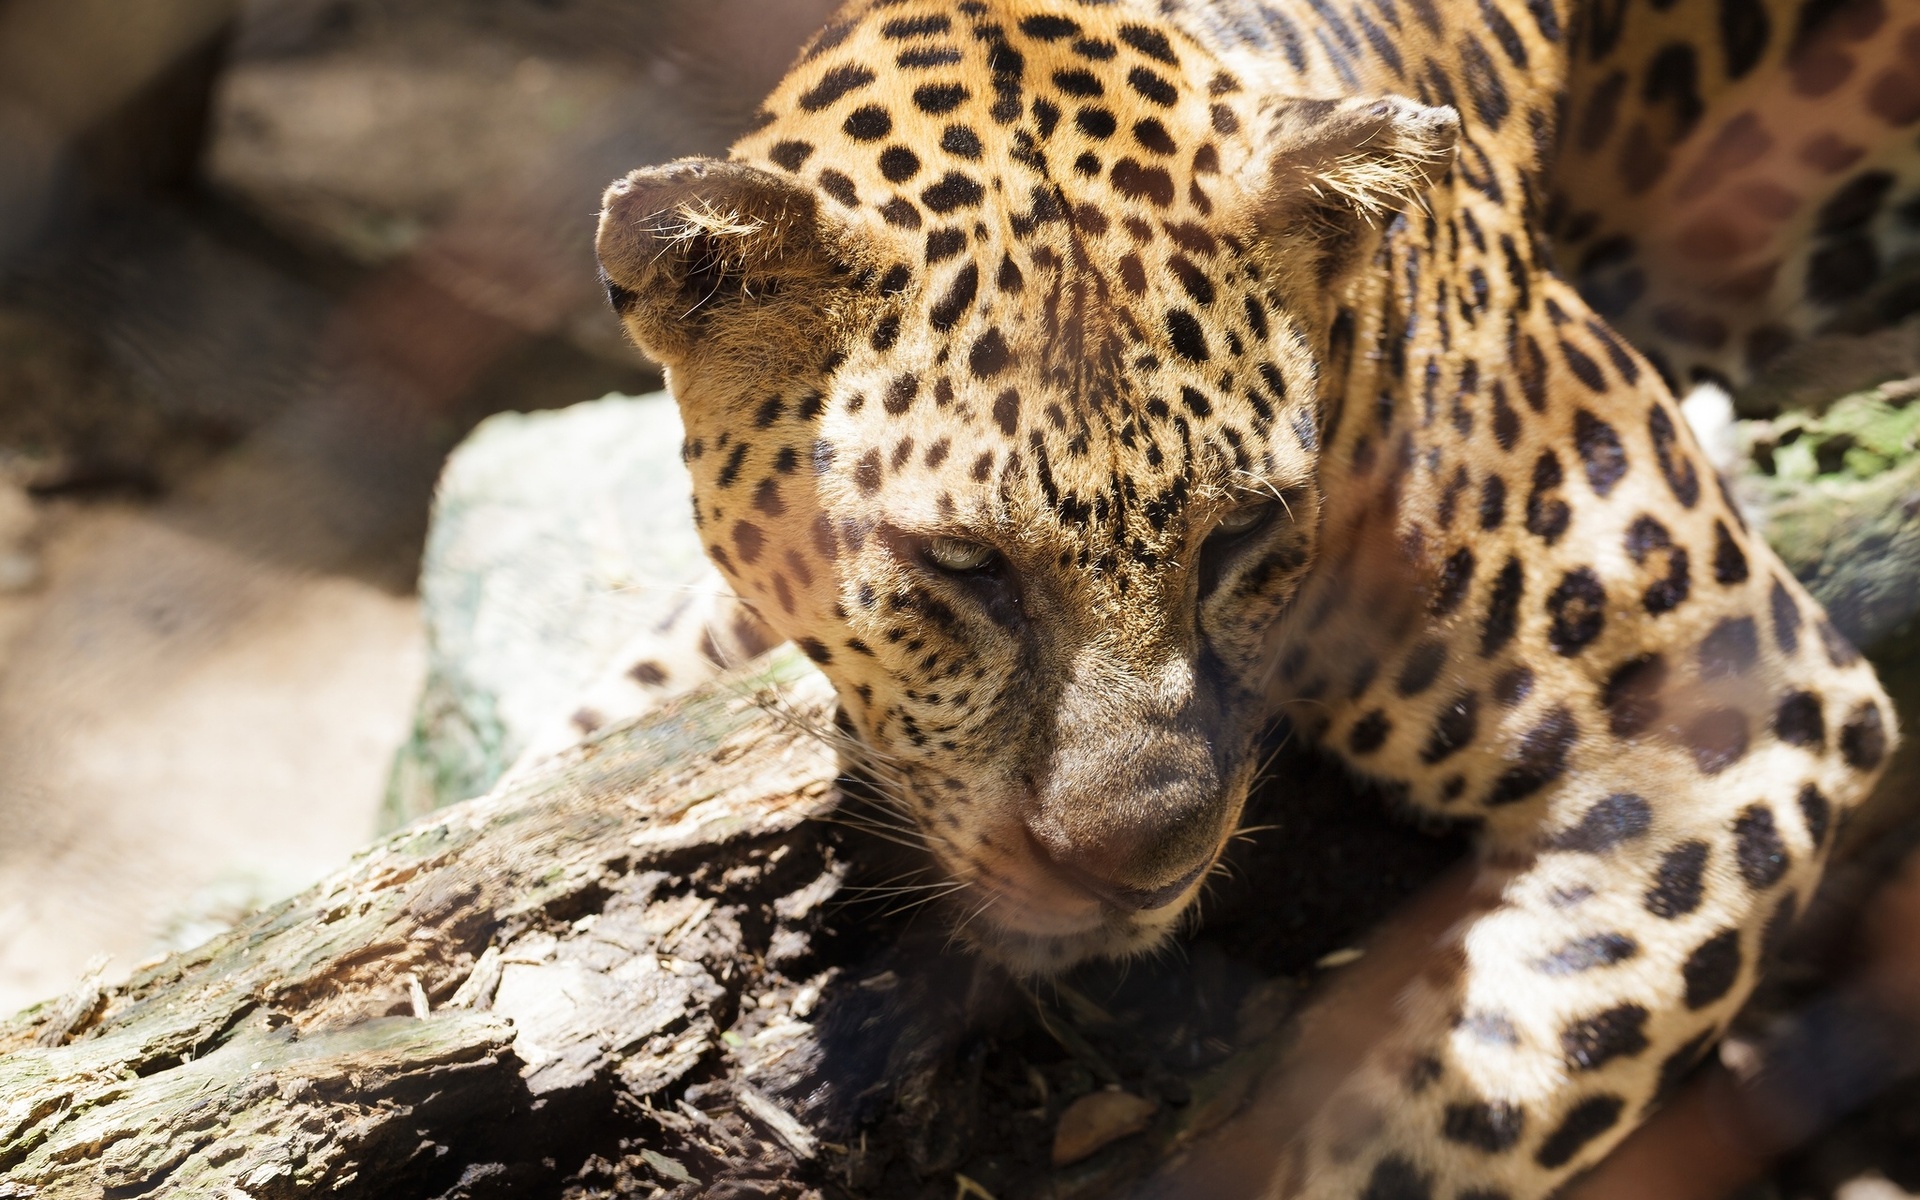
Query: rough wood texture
(494, 967)
(642, 971)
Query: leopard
(1794, 208)
(1086, 385)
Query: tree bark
(645, 969)
(467, 996)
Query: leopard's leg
(1653, 725)
(1620, 944)
(711, 630)
(1736, 175)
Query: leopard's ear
(689, 248)
(1330, 170)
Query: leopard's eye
(958, 556)
(1244, 519)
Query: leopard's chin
(1037, 950)
(1023, 912)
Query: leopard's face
(1033, 483)
(1039, 552)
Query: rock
(555, 536)
(1838, 497)
(1096, 1120)
(1834, 487)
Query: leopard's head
(1003, 406)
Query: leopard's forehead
(1070, 317)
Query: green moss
(1859, 437)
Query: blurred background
(261, 265)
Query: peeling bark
(500, 970)
(643, 970)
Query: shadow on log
(667, 963)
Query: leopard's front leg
(1656, 730)
(1650, 832)
(1627, 928)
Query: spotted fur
(1738, 176)
(1081, 385)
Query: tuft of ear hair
(684, 246)
(1333, 168)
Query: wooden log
(638, 970)
(509, 963)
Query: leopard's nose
(1136, 840)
